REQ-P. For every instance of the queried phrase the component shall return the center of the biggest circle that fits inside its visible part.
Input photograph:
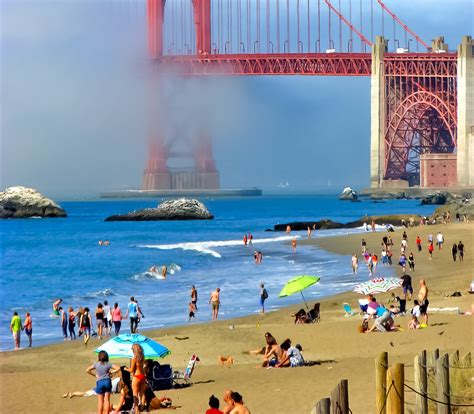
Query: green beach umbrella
(298, 284)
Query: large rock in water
(437, 198)
(348, 194)
(22, 202)
(180, 209)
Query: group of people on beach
(104, 318)
(279, 356)
(136, 394)
(384, 316)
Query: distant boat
(281, 185)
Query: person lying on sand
(91, 392)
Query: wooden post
(455, 359)
(381, 365)
(466, 361)
(395, 383)
(340, 398)
(323, 406)
(433, 357)
(442, 385)
(421, 383)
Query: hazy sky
(76, 88)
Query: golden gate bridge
(422, 104)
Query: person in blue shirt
(383, 317)
(133, 314)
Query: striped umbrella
(121, 347)
(378, 285)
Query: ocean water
(44, 259)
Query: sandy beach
(32, 381)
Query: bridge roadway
(310, 64)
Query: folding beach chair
(161, 377)
(348, 310)
(314, 315)
(184, 378)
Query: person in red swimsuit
(138, 380)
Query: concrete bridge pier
(465, 135)
(377, 113)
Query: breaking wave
(207, 247)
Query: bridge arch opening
(421, 124)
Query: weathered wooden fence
(431, 371)
(338, 403)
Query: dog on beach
(226, 360)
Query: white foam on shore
(207, 247)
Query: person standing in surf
(107, 319)
(293, 244)
(71, 323)
(215, 302)
(263, 296)
(64, 322)
(15, 328)
(194, 296)
(28, 327)
(355, 263)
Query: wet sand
(32, 381)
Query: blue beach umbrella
(121, 347)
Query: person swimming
(153, 269)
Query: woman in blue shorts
(103, 387)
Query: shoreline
(334, 339)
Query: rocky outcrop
(394, 220)
(437, 198)
(180, 209)
(348, 194)
(23, 202)
(463, 208)
(388, 195)
(314, 225)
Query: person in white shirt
(440, 241)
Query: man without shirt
(215, 302)
(423, 300)
(239, 407)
